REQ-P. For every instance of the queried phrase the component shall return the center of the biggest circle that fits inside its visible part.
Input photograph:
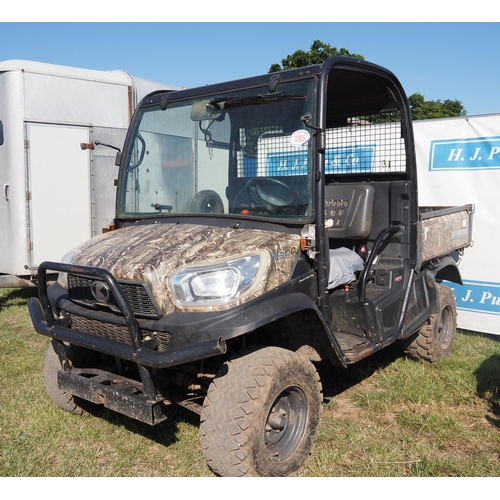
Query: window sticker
(300, 138)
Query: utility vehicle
(262, 226)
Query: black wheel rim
(286, 424)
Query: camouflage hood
(151, 253)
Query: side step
(355, 347)
(117, 393)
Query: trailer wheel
(60, 398)
(207, 202)
(435, 339)
(261, 414)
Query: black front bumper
(44, 322)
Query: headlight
(62, 279)
(217, 284)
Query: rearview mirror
(204, 110)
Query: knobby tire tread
(426, 345)
(231, 416)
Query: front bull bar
(45, 323)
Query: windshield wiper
(228, 102)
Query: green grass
(384, 417)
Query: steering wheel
(272, 195)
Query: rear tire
(435, 339)
(63, 399)
(261, 414)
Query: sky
(441, 60)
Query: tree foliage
(318, 54)
(420, 108)
(424, 110)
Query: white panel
(81, 102)
(459, 162)
(13, 219)
(59, 182)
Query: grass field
(384, 417)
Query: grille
(137, 294)
(390, 315)
(112, 331)
(416, 305)
(366, 144)
(418, 301)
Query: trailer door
(60, 205)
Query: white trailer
(56, 170)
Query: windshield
(244, 153)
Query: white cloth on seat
(343, 264)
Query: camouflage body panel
(443, 231)
(152, 253)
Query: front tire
(261, 414)
(63, 399)
(435, 339)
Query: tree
(318, 54)
(420, 108)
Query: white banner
(458, 163)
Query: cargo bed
(442, 230)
